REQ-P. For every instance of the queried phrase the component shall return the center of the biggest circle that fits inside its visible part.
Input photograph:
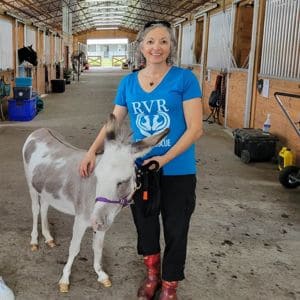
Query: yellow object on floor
(286, 158)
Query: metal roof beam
(154, 11)
(24, 12)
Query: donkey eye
(123, 182)
(123, 188)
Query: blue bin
(23, 81)
(21, 110)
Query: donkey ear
(111, 127)
(140, 148)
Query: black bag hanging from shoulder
(149, 191)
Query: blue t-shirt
(152, 112)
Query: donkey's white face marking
(116, 170)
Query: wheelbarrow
(289, 176)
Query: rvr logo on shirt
(151, 123)
(143, 107)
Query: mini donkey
(51, 168)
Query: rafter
(49, 12)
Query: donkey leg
(45, 225)
(98, 248)
(35, 206)
(79, 228)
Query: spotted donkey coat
(51, 168)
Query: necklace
(153, 80)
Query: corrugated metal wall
(281, 42)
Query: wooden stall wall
(21, 41)
(67, 51)
(208, 87)
(45, 60)
(237, 81)
(34, 69)
(236, 98)
(41, 63)
(52, 52)
(280, 125)
(104, 34)
(196, 69)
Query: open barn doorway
(107, 53)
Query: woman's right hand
(87, 165)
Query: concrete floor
(244, 236)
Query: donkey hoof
(106, 282)
(34, 247)
(51, 244)
(64, 287)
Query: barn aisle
(244, 238)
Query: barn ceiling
(92, 14)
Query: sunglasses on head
(151, 23)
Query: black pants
(177, 206)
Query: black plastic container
(22, 92)
(58, 85)
(253, 145)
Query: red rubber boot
(153, 282)
(168, 291)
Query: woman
(161, 96)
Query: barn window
(281, 40)
(188, 36)
(6, 45)
(243, 34)
(218, 53)
(30, 37)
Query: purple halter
(124, 202)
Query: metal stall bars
(294, 124)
